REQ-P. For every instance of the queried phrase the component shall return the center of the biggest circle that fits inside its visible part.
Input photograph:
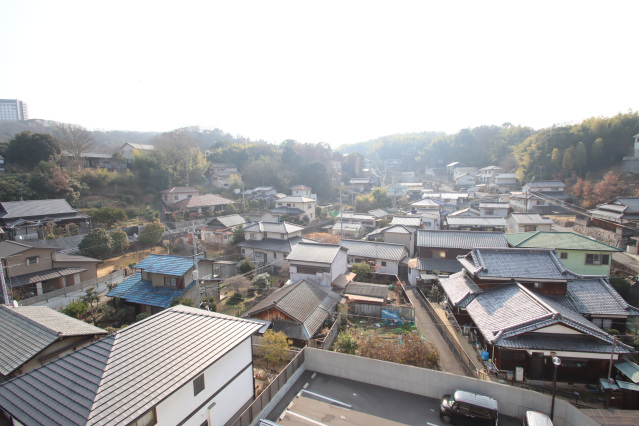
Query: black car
(468, 408)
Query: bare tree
(75, 139)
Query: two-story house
(527, 307)
(129, 149)
(367, 220)
(320, 262)
(527, 222)
(32, 268)
(200, 204)
(157, 282)
(181, 366)
(462, 170)
(295, 208)
(384, 257)
(270, 242)
(224, 176)
(487, 174)
(303, 191)
(176, 194)
(219, 230)
(31, 336)
(494, 209)
(540, 197)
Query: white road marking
(328, 399)
(306, 418)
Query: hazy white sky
(336, 72)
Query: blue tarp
(391, 316)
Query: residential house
(438, 250)
(394, 164)
(360, 184)
(476, 223)
(581, 255)
(32, 268)
(462, 170)
(411, 222)
(506, 180)
(220, 229)
(366, 293)
(129, 149)
(452, 166)
(223, 176)
(615, 221)
(317, 261)
(180, 366)
(299, 310)
(487, 174)
(158, 281)
(270, 242)
(465, 181)
(384, 257)
(431, 219)
(266, 193)
(367, 220)
(349, 230)
(228, 221)
(296, 208)
(24, 220)
(494, 209)
(398, 234)
(176, 194)
(428, 205)
(467, 212)
(92, 160)
(202, 204)
(258, 215)
(303, 191)
(379, 214)
(540, 197)
(527, 222)
(527, 307)
(31, 336)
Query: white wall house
(320, 262)
(176, 194)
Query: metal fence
(95, 282)
(253, 411)
(375, 311)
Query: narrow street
(448, 361)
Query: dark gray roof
(25, 331)
(441, 265)
(529, 219)
(397, 229)
(35, 208)
(629, 369)
(367, 289)
(47, 274)
(378, 213)
(460, 239)
(476, 221)
(306, 302)
(546, 184)
(526, 264)
(228, 221)
(117, 379)
(10, 248)
(375, 250)
(315, 252)
(460, 289)
(594, 296)
(509, 312)
(273, 244)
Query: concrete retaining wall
(512, 401)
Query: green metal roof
(557, 240)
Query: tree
(609, 188)
(567, 164)
(580, 156)
(362, 271)
(381, 198)
(183, 302)
(208, 304)
(238, 235)
(152, 233)
(556, 160)
(74, 139)
(120, 242)
(418, 352)
(97, 243)
(273, 346)
(346, 343)
(245, 266)
(76, 309)
(108, 216)
(92, 299)
(261, 282)
(28, 149)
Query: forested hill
(588, 148)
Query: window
(149, 418)
(439, 254)
(198, 384)
(539, 285)
(251, 236)
(175, 197)
(170, 282)
(274, 255)
(383, 263)
(33, 260)
(530, 228)
(603, 323)
(489, 212)
(597, 259)
(563, 255)
(541, 202)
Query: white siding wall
(392, 267)
(180, 404)
(339, 266)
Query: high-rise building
(13, 110)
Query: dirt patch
(120, 262)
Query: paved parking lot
(329, 400)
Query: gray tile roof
(34, 208)
(460, 239)
(292, 199)
(25, 331)
(629, 369)
(273, 244)
(460, 289)
(119, 378)
(180, 190)
(529, 219)
(546, 184)
(228, 221)
(397, 229)
(511, 311)
(10, 248)
(427, 202)
(306, 302)
(314, 252)
(378, 213)
(278, 227)
(355, 216)
(594, 296)
(413, 221)
(441, 265)
(632, 203)
(39, 276)
(375, 250)
(367, 289)
(357, 227)
(203, 201)
(476, 221)
(520, 264)
(558, 241)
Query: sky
(330, 71)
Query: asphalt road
(329, 400)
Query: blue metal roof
(125, 285)
(166, 264)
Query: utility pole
(5, 291)
(341, 217)
(612, 355)
(196, 272)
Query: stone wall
(605, 236)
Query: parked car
(535, 418)
(469, 408)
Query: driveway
(447, 359)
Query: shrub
(274, 346)
(235, 299)
(346, 343)
(76, 309)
